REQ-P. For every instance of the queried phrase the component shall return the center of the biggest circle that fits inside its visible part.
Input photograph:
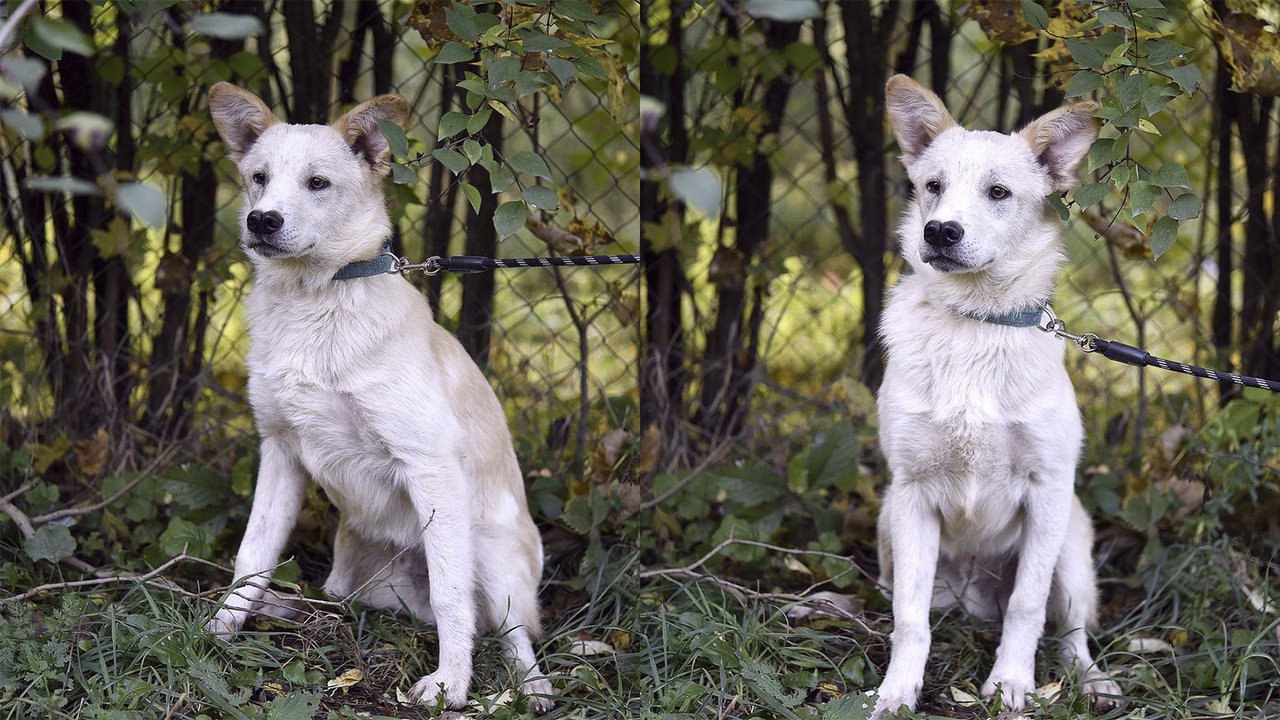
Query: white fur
(355, 387)
(979, 422)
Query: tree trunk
(662, 365)
(727, 380)
(476, 318)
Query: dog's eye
(317, 183)
(260, 178)
(933, 186)
(998, 192)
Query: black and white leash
(1130, 355)
(388, 262)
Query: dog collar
(1026, 317)
(384, 263)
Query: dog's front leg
(276, 502)
(914, 529)
(1048, 509)
(444, 509)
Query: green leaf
(1112, 17)
(477, 122)
(1156, 97)
(1100, 153)
(471, 149)
(499, 178)
(397, 141)
(462, 21)
(699, 188)
(143, 202)
(833, 458)
(451, 159)
(227, 26)
(451, 124)
(1130, 90)
(26, 70)
(1089, 195)
(294, 706)
(1083, 82)
(50, 542)
(784, 10)
(1055, 201)
(454, 52)
(1160, 51)
(564, 70)
(473, 196)
(535, 41)
(530, 164)
(1171, 174)
(403, 175)
(1142, 195)
(184, 533)
(502, 71)
(63, 36)
(542, 197)
(1186, 206)
(509, 218)
(1162, 236)
(1187, 77)
(1084, 53)
(1035, 15)
(195, 486)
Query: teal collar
(382, 264)
(1025, 317)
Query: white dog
(353, 385)
(978, 420)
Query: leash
(388, 262)
(1130, 355)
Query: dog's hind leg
(510, 567)
(377, 577)
(1073, 605)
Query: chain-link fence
(806, 335)
(132, 339)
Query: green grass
(681, 649)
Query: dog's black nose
(943, 234)
(264, 223)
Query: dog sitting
(978, 419)
(355, 387)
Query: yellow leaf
(504, 111)
(1146, 126)
(347, 679)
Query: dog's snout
(943, 234)
(264, 223)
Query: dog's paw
(891, 698)
(223, 626)
(539, 693)
(1014, 688)
(1104, 693)
(431, 688)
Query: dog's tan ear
(360, 128)
(240, 117)
(916, 115)
(1062, 138)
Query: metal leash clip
(430, 266)
(1086, 342)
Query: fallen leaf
(963, 698)
(1148, 645)
(588, 648)
(347, 679)
(1050, 691)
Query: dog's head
(310, 191)
(980, 195)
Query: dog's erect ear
(360, 129)
(1061, 139)
(916, 114)
(240, 117)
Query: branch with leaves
(1122, 52)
